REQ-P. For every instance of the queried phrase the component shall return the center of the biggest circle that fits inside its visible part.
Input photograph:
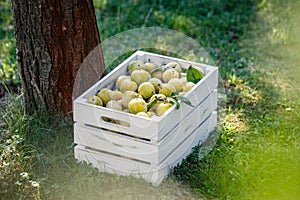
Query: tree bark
(53, 37)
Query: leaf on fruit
(174, 101)
(174, 94)
(193, 75)
(151, 104)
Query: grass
(8, 66)
(254, 43)
(257, 156)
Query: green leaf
(151, 104)
(174, 94)
(193, 75)
(185, 100)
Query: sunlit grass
(264, 161)
(16, 158)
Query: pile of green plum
(147, 90)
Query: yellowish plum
(162, 108)
(183, 79)
(119, 81)
(151, 114)
(157, 74)
(127, 85)
(120, 102)
(188, 86)
(142, 114)
(140, 76)
(95, 100)
(146, 90)
(177, 83)
(113, 104)
(127, 96)
(137, 105)
(122, 123)
(105, 95)
(167, 89)
(169, 74)
(149, 66)
(156, 83)
(135, 65)
(159, 99)
(182, 93)
(116, 95)
(175, 66)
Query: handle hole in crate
(115, 121)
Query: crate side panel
(150, 173)
(175, 116)
(92, 115)
(117, 144)
(187, 126)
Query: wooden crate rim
(82, 100)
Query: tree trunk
(53, 37)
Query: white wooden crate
(154, 173)
(148, 147)
(153, 129)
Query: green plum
(137, 105)
(162, 108)
(157, 74)
(134, 65)
(127, 96)
(95, 100)
(113, 104)
(175, 66)
(169, 74)
(119, 81)
(140, 76)
(127, 85)
(167, 89)
(177, 83)
(143, 114)
(149, 66)
(105, 95)
(156, 83)
(188, 86)
(146, 90)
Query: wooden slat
(149, 172)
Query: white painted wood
(140, 149)
(150, 172)
(159, 126)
